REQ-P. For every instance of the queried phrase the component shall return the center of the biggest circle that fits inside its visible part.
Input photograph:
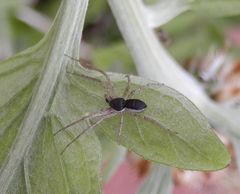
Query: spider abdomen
(135, 104)
(117, 104)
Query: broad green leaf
(179, 136)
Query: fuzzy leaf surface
(171, 130)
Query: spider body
(119, 104)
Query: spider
(117, 105)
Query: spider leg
(139, 130)
(133, 92)
(119, 130)
(96, 80)
(88, 77)
(126, 91)
(75, 138)
(86, 64)
(88, 128)
(141, 88)
(100, 113)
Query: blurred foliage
(47, 7)
(96, 10)
(149, 2)
(190, 34)
(205, 25)
(114, 57)
(23, 34)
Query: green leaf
(179, 136)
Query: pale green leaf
(180, 136)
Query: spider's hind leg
(119, 130)
(126, 91)
(80, 134)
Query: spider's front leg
(142, 88)
(127, 94)
(99, 113)
(100, 116)
(107, 85)
(127, 89)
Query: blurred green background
(188, 36)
